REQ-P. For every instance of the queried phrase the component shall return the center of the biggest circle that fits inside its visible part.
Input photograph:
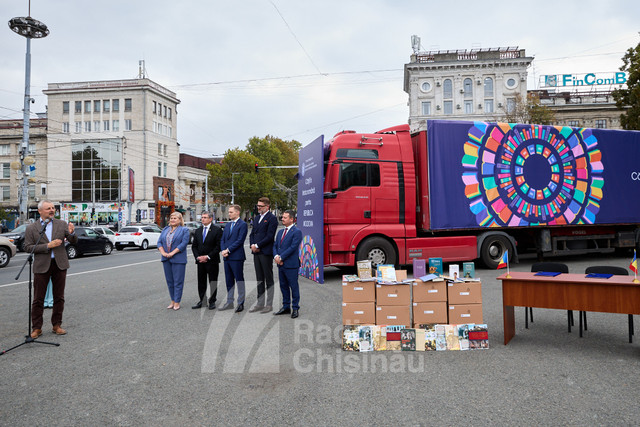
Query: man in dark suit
(232, 244)
(261, 237)
(50, 262)
(285, 249)
(206, 251)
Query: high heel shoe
(176, 307)
(170, 307)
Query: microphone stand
(27, 338)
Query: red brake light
(137, 234)
(117, 234)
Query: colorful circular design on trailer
(520, 175)
(309, 267)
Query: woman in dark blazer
(172, 245)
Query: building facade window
(165, 170)
(115, 103)
(468, 88)
(169, 133)
(104, 157)
(6, 170)
(78, 127)
(65, 127)
(488, 105)
(96, 106)
(78, 107)
(87, 126)
(5, 149)
(32, 191)
(127, 104)
(32, 148)
(155, 107)
(106, 105)
(159, 149)
(447, 89)
(488, 87)
(574, 123)
(159, 168)
(105, 125)
(426, 108)
(6, 192)
(65, 107)
(127, 124)
(165, 150)
(448, 107)
(116, 125)
(468, 107)
(601, 124)
(165, 111)
(169, 113)
(87, 106)
(511, 105)
(96, 125)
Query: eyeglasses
(261, 206)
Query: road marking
(85, 272)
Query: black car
(88, 242)
(16, 236)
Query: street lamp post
(30, 29)
(233, 192)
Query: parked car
(106, 232)
(89, 241)
(192, 226)
(141, 236)
(7, 250)
(16, 236)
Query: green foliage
(629, 98)
(279, 185)
(530, 111)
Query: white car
(137, 236)
(106, 232)
(7, 250)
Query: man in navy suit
(206, 251)
(233, 237)
(261, 237)
(285, 249)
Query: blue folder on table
(598, 275)
(547, 273)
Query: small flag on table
(504, 261)
(634, 264)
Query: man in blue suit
(261, 237)
(285, 249)
(233, 237)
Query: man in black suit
(261, 238)
(206, 251)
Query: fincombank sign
(588, 79)
(310, 209)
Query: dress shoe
(266, 309)
(239, 308)
(226, 306)
(58, 330)
(256, 308)
(36, 333)
(197, 305)
(212, 305)
(294, 314)
(282, 311)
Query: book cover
(429, 336)
(451, 333)
(408, 339)
(454, 272)
(468, 270)
(366, 338)
(379, 338)
(421, 339)
(394, 339)
(386, 273)
(364, 269)
(350, 278)
(419, 268)
(350, 338)
(463, 336)
(441, 339)
(478, 337)
(435, 266)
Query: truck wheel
(493, 248)
(377, 250)
(5, 256)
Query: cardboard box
(465, 313)
(393, 295)
(464, 292)
(429, 291)
(358, 313)
(393, 315)
(358, 292)
(429, 312)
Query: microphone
(46, 222)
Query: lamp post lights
(30, 29)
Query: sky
(294, 69)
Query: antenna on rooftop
(415, 44)
(142, 71)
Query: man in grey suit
(50, 262)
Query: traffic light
(257, 167)
(138, 215)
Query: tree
(529, 111)
(629, 98)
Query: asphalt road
(126, 360)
